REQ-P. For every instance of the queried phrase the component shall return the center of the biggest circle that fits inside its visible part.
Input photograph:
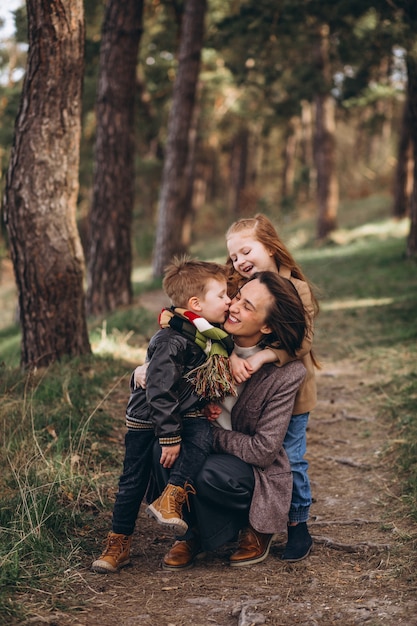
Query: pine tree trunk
(173, 185)
(325, 156)
(110, 253)
(412, 99)
(405, 165)
(188, 209)
(306, 144)
(412, 235)
(292, 139)
(238, 171)
(42, 187)
(325, 143)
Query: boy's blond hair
(185, 277)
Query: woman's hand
(212, 411)
(241, 368)
(139, 376)
(169, 455)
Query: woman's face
(249, 255)
(247, 314)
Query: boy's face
(214, 305)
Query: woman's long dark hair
(285, 316)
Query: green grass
(368, 296)
(55, 427)
(55, 424)
(10, 346)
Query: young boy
(169, 408)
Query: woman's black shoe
(299, 543)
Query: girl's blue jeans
(295, 444)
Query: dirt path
(363, 566)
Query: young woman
(254, 246)
(246, 484)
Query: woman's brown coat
(260, 420)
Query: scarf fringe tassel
(213, 379)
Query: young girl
(253, 245)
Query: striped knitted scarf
(213, 379)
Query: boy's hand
(139, 376)
(212, 411)
(169, 455)
(241, 368)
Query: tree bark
(188, 208)
(238, 170)
(325, 143)
(412, 99)
(405, 166)
(173, 185)
(325, 156)
(42, 187)
(110, 253)
(292, 139)
(307, 157)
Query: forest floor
(362, 569)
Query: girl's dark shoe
(299, 543)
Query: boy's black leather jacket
(168, 396)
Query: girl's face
(249, 255)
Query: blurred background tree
(175, 201)
(42, 187)
(297, 105)
(110, 218)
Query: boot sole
(254, 560)
(173, 568)
(175, 524)
(301, 558)
(108, 569)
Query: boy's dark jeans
(195, 446)
(134, 480)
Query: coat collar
(284, 271)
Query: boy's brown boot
(167, 509)
(116, 554)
